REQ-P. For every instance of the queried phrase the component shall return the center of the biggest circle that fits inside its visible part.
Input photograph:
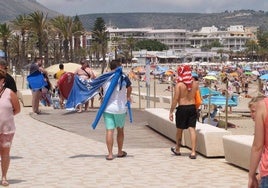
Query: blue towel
(116, 76)
(84, 90)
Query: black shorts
(186, 116)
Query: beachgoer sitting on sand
(212, 114)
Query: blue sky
(73, 7)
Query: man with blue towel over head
(115, 112)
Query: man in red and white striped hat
(186, 114)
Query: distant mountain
(9, 9)
(189, 21)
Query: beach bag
(198, 99)
(36, 81)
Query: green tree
(64, 27)
(100, 36)
(20, 23)
(251, 48)
(78, 30)
(213, 44)
(5, 34)
(37, 21)
(150, 45)
(130, 42)
(262, 39)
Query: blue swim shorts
(113, 121)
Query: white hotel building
(234, 38)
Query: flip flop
(173, 149)
(192, 156)
(108, 158)
(123, 155)
(5, 183)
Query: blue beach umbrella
(264, 77)
(212, 73)
(194, 74)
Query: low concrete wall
(209, 138)
(25, 97)
(237, 149)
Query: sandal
(123, 155)
(108, 158)
(5, 183)
(192, 156)
(173, 149)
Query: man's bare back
(183, 95)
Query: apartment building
(233, 38)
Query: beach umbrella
(212, 73)
(248, 73)
(234, 74)
(264, 77)
(256, 73)
(247, 68)
(170, 72)
(139, 70)
(68, 67)
(194, 74)
(210, 78)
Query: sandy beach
(239, 116)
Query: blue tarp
(220, 100)
(204, 91)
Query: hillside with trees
(10, 9)
(189, 21)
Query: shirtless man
(186, 114)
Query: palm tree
(252, 47)
(37, 22)
(5, 34)
(20, 23)
(78, 31)
(130, 44)
(64, 27)
(14, 52)
(100, 35)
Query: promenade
(60, 149)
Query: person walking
(186, 114)
(259, 150)
(36, 94)
(57, 76)
(10, 106)
(115, 113)
(86, 74)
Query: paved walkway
(58, 149)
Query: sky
(79, 7)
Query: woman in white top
(9, 107)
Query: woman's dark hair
(2, 73)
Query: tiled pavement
(60, 149)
